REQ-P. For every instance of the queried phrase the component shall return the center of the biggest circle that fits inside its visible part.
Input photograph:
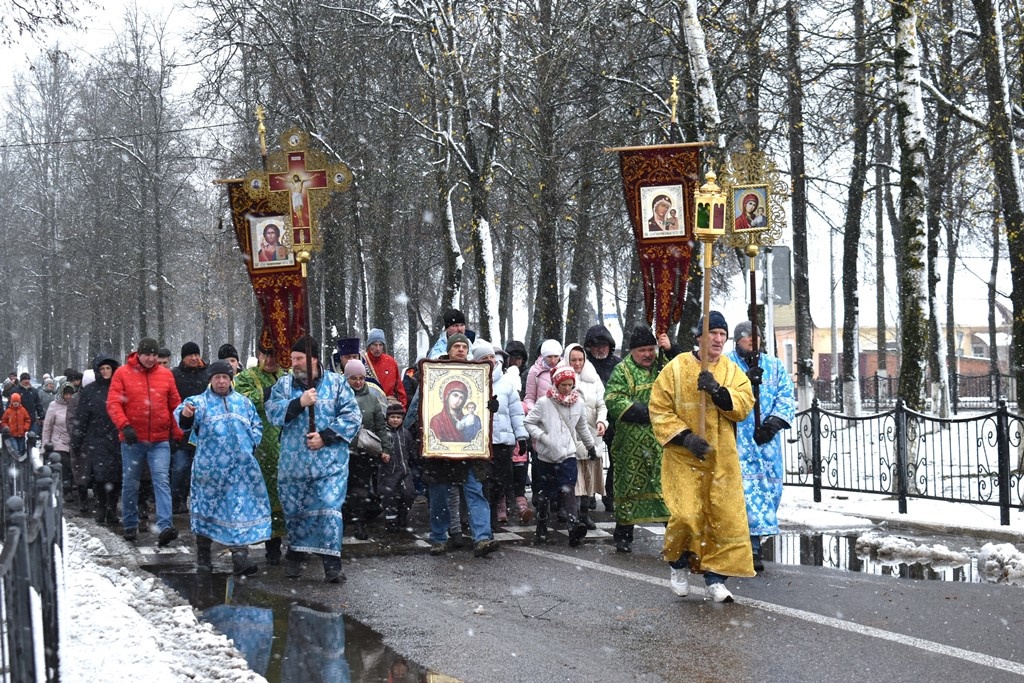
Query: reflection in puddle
(288, 642)
(838, 551)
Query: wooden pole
(752, 251)
(303, 258)
(708, 264)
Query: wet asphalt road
(555, 613)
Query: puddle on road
(286, 641)
(838, 551)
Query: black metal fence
(32, 541)
(967, 392)
(900, 452)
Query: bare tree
(911, 254)
(1006, 167)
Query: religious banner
(659, 183)
(274, 213)
(277, 282)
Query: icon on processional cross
(298, 183)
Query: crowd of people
(291, 458)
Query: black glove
(707, 382)
(6, 431)
(493, 405)
(695, 444)
(637, 413)
(130, 437)
(524, 446)
(592, 453)
(768, 429)
(754, 374)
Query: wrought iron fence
(903, 453)
(30, 568)
(967, 392)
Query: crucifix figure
(297, 181)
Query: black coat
(394, 477)
(604, 366)
(30, 400)
(190, 382)
(94, 435)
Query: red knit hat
(15, 397)
(561, 374)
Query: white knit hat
(550, 347)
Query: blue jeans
(158, 455)
(17, 443)
(181, 473)
(477, 505)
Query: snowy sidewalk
(962, 519)
(117, 625)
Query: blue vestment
(229, 497)
(312, 484)
(762, 466)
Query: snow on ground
(1001, 563)
(898, 550)
(838, 511)
(129, 627)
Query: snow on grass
(128, 626)
(887, 549)
(1001, 563)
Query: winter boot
(241, 565)
(525, 513)
(586, 505)
(494, 516)
(101, 505)
(577, 531)
(112, 518)
(293, 563)
(83, 501)
(359, 530)
(273, 550)
(332, 570)
(623, 538)
(541, 535)
(204, 554)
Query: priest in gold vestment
(701, 480)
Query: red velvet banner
(276, 278)
(659, 182)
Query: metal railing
(32, 542)
(907, 454)
(967, 392)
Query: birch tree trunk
(938, 184)
(700, 67)
(910, 249)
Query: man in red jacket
(383, 368)
(141, 404)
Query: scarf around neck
(564, 400)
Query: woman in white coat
(558, 423)
(590, 481)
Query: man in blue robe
(313, 470)
(229, 502)
(760, 449)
